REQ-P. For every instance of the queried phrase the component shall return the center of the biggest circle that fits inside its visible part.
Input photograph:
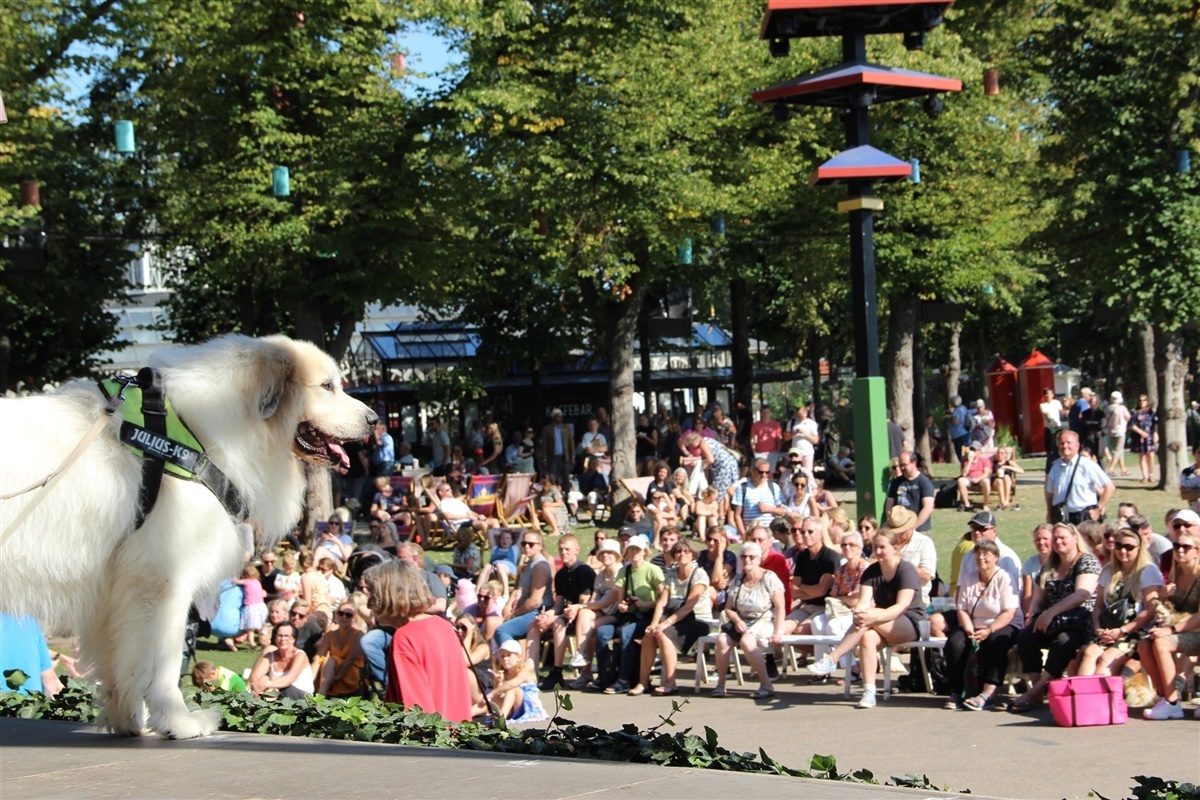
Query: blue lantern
(281, 185)
(988, 289)
(1183, 161)
(915, 175)
(685, 253)
(717, 225)
(125, 142)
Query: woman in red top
(427, 668)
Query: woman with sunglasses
(1061, 614)
(1130, 581)
(756, 614)
(843, 594)
(1177, 631)
(341, 660)
(477, 654)
(802, 501)
(681, 616)
(719, 563)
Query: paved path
(65, 760)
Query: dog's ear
(275, 370)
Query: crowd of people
(749, 550)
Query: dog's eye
(327, 386)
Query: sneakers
(823, 666)
(1163, 710)
(868, 698)
(577, 661)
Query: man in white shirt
(804, 436)
(1075, 483)
(1051, 409)
(757, 501)
(915, 547)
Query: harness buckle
(118, 399)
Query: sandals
(953, 704)
(620, 687)
(663, 691)
(763, 694)
(637, 691)
(980, 702)
(718, 691)
(1022, 705)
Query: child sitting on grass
(207, 675)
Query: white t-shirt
(1052, 414)
(985, 603)
(807, 427)
(921, 552)
(455, 509)
(1151, 576)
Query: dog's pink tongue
(336, 449)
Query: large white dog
(73, 555)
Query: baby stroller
(363, 558)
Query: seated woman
(681, 616)
(332, 544)
(552, 506)
(600, 610)
(1033, 565)
(1130, 582)
(516, 694)
(685, 503)
(593, 559)
(989, 616)
(384, 535)
(505, 556)
(824, 498)
(636, 590)
(803, 501)
(426, 667)
(1061, 621)
(706, 512)
(754, 608)
(888, 611)
(285, 669)
(661, 509)
(1177, 631)
(465, 560)
(1005, 470)
(719, 563)
(843, 594)
(341, 661)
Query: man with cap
(915, 547)
(913, 490)
(976, 471)
(1185, 521)
(1075, 483)
(556, 449)
(1116, 424)
(983, 526)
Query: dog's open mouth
(314, 446)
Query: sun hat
(900, 519)
(637, 541)
(511, 646)
(609, 546)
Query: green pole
(872, 461)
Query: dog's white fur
(76, 562)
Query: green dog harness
(151, 428)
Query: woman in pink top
(427, 667)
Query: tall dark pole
(862, 233)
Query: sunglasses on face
(298, 615)
(1128, 548)
(1180, 525)
(461, 628)
(1185, 547)
(346, 614)
(763, 471)
(850, 544)
(528, 544)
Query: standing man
(1092, 419)
(1075, 415)
(1075, 483)
(912, 490)
(572, 588)
(439, 444)
(1051, 410)
(383, 452)
(557, 450)
(757, 501)
(804, 434)
(957, 421)
(766, 436)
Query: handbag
(626, 617)
(1075, 619)
(1118, 613)
(1088, 700)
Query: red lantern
(399, 65)
(991, 82)
(31, 194)
(299, 18)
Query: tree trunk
(318, 502)
(920, 407)
(953, 367)
(743, 372)
(1144, 332)
(622, 330)
(307, 321)
(1172, 450)
(902, 323)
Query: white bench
(790, 642)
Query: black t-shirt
(885, 592)
(570, 582)
(267, 579)
(910, 492)
(308, 636)
(810, 569)
(646, 449)
(666, 487)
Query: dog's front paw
(193, 725)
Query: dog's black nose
(372, 417)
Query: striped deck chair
(637, 488)
(514, 508)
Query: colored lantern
(1183, 161)
(281, 185)
(685, 253)
(991, 81)
(125, 141)
(3, 113)
(399, 65)
(31, 194)
(717, 224)
(915, 175)
(987, 289)
(299, 18)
